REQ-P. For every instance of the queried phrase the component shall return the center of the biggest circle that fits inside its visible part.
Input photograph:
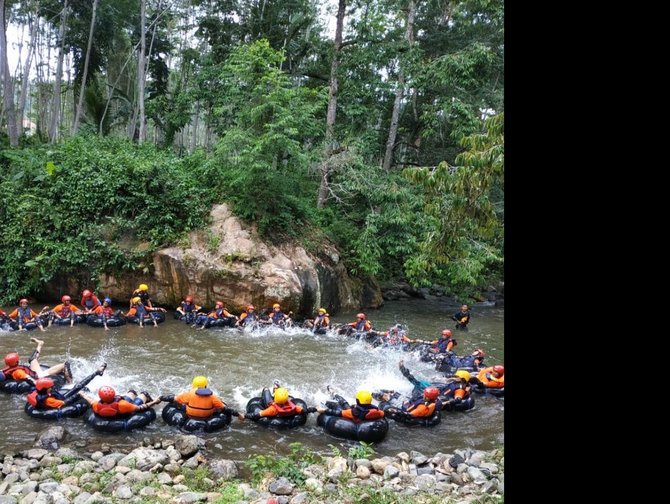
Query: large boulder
(229, 261)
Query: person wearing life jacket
(24, 315)
(361, 324)
(3, 315)
(417, 392)
(364, 410)
(109, 405)
(14, 370)
(321, 322)
(140, 310)
(248, 317)
(445, 343)
(200, 402)
(45, 397)
(277, 317)
(281, 406)
(143, 293)
(188, 310)
(64, 311)
(395, 336)
(89, 302)
(492, 377)
(462, 318)
(219, 312)
(424, 407)
(451, 362)
(105, 312)
(458, 388)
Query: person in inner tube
(200, 402)
(110, 405)
(364, 410)
(20, 372)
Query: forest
(374, 125)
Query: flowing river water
(238, 364)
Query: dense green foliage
(84, 207)
(236, 99)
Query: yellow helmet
(462, 374)
(281, 395)
(322, 310)
(199, 382)
(135, 300)
(276, 305)
(144, 287)
(364, 397)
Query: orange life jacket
(286, 409)
(422, 409)
(486, 377)
(200, 406)
(8, 371)
(107, 409)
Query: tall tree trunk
(196, 116)
(55, 109)
(8, 87)
(141, 76)
(25, 78)
(332, 106)
(395, 115)
(82, 86)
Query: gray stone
(403, 456)
(87, 478)
(456, 460)
(456, 478)
(336, 463)
(28, 499)
(48, 486)
(418, 458)
(188, 497)
(300, 498)
(335, 474)
(123, 492)
(223, 469)
(58, 498)
(147, 492)
(411, 469)
(49, 460)
(34, 453)
(391, 472)
(425, 482)
(49, 438)
(250, 493)
(363, 463)
(489, 487)
(172, 469)
(82, 498)
(96, 455)
(164, 478)
(85, 466)
(108, 462)
(438, 459)
(330, 488)
(29, 486)
(442, 487)
(476, 475)
(425, 470)
(462, 468)
(501, 487)
(144, 458)
(173, 453)
(11, 478)
(187, 445)
(488, 466)
(445, 478)
(378, 465)
(281, 486)
(67, 453)
(314, 485)
(178, 479)
(180, 488)
(122, 469)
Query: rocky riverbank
(179, 470)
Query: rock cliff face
(228, 261)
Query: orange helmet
(446, 333)
(250, 307)
(431, 393)
(188, 299)
(87, 293)
(478, 353)
(44, 383)
(361, 316)
(65, 299)
(23, 300)
(106, 394)
(499, 369)
(12, 359)
(220, 303)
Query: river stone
(144, 458)
(164, 478)
(314, 485)
(11, 478)
(418, 458)
(330, 488)
(223, 469)
(82, 498)
(456, 460)
(173, 453)
(48, 486)
(489, 486)
(121, 469)
(425, 470)
(335, 474)
(488, 466)
(147, 492)
(123, 492)
(281, 486)
(67, 453)
(178, 479)
(378, 465)
(96, 455)
(136, 476)
(336, 463)
(363, 463)
(456, 478)
(34, 453)
(187, 445)
(424, 482)
(403, 456)
(300, 498)
(29, 486)
(50, 437)
(188, 497)
(462, 468)
(108, 462)
(85, 466)
(438, 459)
(362, 472)
(181, 488)
(172, 469)
(476, 475)
(390, 472)
(28, 498)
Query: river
(165, 359)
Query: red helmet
(220, 303)
(478, 353)
(107, 394)
(361, 316)
(499, 369)
(86, 293)
(431, 393)
(188, 299)
(23, 300)
(250, 307)
(447, 333)
(65, 298)
(12, 359)
(44, 383)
